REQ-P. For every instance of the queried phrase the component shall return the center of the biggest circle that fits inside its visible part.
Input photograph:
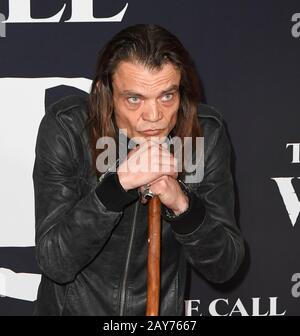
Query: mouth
(152, 132)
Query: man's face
(146, 102)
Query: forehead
(137, 77)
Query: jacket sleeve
(70, 228)
(210, 238)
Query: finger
(170, 171)
(162, 177)
(153, 147)
(138, 150)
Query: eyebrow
(134, 93)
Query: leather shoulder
(71, 112)
(67, 104)
(211, 121)
(209, 112)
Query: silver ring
(147, 193)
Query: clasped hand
(152, 164)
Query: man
(91, 234)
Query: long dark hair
(151, 46)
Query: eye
(167, 97)
(133, 100)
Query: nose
(151, 112)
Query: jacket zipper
(123, 292)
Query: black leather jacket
(94, 260)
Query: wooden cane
(153, 271)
